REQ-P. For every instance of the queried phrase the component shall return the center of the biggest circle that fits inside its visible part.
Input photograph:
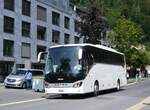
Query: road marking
(20, 102)
(140, 105)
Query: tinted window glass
(37, 73)
(104, 56)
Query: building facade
(28, 27)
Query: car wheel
(24, 85)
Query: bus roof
(87, 44)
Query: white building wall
(17, 36)
(1, 30)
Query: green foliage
(78, 2)
(137, 57)
(126, 34)
(92, 23)
(136, 10)
(126, 37)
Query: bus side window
(90, 60)
(85, 63)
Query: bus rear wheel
(118, 85)
(96, 89)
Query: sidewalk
(1, 84)
(134, 80)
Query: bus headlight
(77, 84)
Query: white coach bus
(83, 68)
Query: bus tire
(96, 88)
(118, 85)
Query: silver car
(17, 79)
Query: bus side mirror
(40, 55)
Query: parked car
(17, 79)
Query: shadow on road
(17, 88)
(81, 96)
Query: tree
(92, 22)
(126, 37)
(136, 10)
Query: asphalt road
(129, 96)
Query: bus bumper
(64, 90)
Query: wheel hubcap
(24, 86)
(118, 86)
(96, 90)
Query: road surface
(131, 97)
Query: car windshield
(63, 65)
(19, 73)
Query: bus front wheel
(96, 88)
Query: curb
(136, 82)
(132, 83)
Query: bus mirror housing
(80, 54)
(40, 56)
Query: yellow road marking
(20, 102)
(140, 105)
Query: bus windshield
(63, 65)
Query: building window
(76, 40)
(9, 4)
(25, 29)
(41, 49)
(66, 39)
(67, 23)
(41, 33)
(8, 48)
(56, 36)
(20, 65)
(8, 24)
(25, 50)
(26, 7)
(55, 18)
(76, 26)
(41, 13)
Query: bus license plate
(60, 90)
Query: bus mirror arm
(40, 56)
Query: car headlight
(77, 84)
